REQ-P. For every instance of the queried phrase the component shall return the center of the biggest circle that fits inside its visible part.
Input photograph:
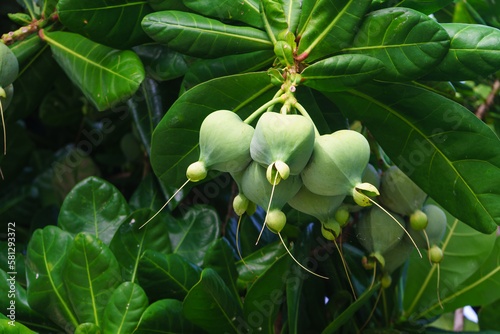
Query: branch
(483, 108)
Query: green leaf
(274, 18)
(26, 49)
(292, 14)
(165, 316)
(408, 42)
(130, 242)
(90, 277)
(428, 137)
(166, 276)
(488, 316)
(124, 309)
(11, 327)
(329, 27)
(162, 63)
(106, 76)
(147, 195)
(221, 258)
(264, 298)
(49, 6)
(199, 36)
(240, 10)
(192, 235)
(45, 262)
(341, 72)
(474, 52)
(93, 206)
(205, 70)
(115, 23)
(180, 127)
(88, 328)
(211, 306)
(465, 250)
(19, 149)
(427, 7)
(487, 9)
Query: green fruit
(370, 176)
(386, 281)
(224, 145)
(9, 67)
(418, 220)
(283, 143)
(342, 215)
(330, 229)
(337, 165)
(398, 255)
(436, 254)
(400, 194)
(6, 95)
(241, 203)
(435, 229)
(276, 220)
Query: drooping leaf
(329, 27)
(130, 242)
(465, 250)
(166, 276)
(428, 136)
(90, 277)
(240, 10)
(165, 316)
(273, 16)
(45, 262)
(474, 52)
(124, 309)
(211, 306)
(106, 76)
(199, 36)
(341, 72)
(93, 206)
(115, 23)
(192, 235)
(205, 70)
(180, 127)
(427, 7)
(408, 42)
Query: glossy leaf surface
(199, 36)
(408, 42)
(106, 76)
(273, 16)
(93, 206)
(161, 62)
(116, 23)
(426, 7)
(433, 147)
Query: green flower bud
(436, 254)
(196, 171)
(418, 220)
(276, 220)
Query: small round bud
(196, 171)
(276, 220)
(240, 204)
(436, 254)
(330, 229)
(386, 281)
(342, 215)
(418, 220)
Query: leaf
(180, 127)
(165, 316)
(26, 49)
(19, 150)
(199, 36)
(211, 306)
(124, 309)
(465, 250)
(264, 298)
(428, 137)
(90, 277)
(488, 315)
(45, 262)
(93, 206)
(329, 27)
(161, 5)
(130, 242)
(240, 10)
(162, 63)
(205, 70)
(192, 235)
(274, 18)
(408, 42)
(292, 14)
(88, 328)
(115, 23)
(474, 52)
(49, 6)
(221, 258)
(487, 9)
(427, 7)
(17, 328)
(166, 276)
(341, 72)
(106, 76)
(147, 195)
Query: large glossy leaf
(240, 10)
(488, 316)
(465, 250)
(265, 297)
(292, 10)
(474, 52)
(273, 16)
(124, 309)
(147, 195)
(192, 235)
(18, 328)
(24, 50)
(208, 69)
(90, 277)
(106, 76)
(211, 306)
(488, 10)
(427, 7)
(330, 27)
(341, 72)
(116, 23)
(408, 42)
(45, 261)
(166, 276)
(180, 127)
(199, 36)
(93, 206)
(165, 317)
(429, 137)
(130, 242)
(161, 62)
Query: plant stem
(259, 111)
(304, 113)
